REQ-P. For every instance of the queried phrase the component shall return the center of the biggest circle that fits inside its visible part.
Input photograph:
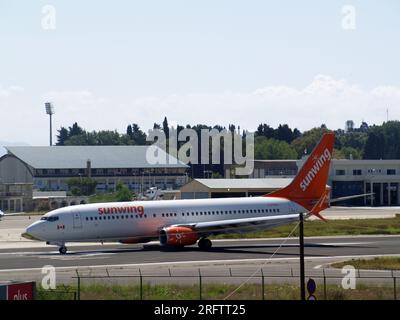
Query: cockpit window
(50, 219)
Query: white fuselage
(141, 220)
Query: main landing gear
(204, 244)
(63, 250)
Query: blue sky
(109, 63)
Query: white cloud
(386, 92)
(9, 91)
(324, 100)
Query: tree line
(282, 142)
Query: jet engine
(178, 236)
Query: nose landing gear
(63, 250)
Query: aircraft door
(77, 221)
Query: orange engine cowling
(178, 236)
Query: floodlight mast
(50, 111)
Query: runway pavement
(242, 257)
(21, 259)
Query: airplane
(152, 194)
(179, 223)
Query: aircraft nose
(32, 232)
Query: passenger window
(109, 217)
(154, 215)
(91, 218)
(113, 217)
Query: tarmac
(228, 261)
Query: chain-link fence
(230, 284)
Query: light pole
(50, 111)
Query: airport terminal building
(50, 168)
(382, 177)
(347, 177)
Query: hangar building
(49, 168)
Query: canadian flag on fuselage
(309, 185)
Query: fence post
(200, 286)
(325, 295)
(79, 287)
(394, 288)
(141, 284)
(79, 284)
(262, 284)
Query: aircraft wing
(238, 225)
(2, 214)
(351, 197)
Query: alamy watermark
(49, 278)
(348, 17)
(349, 280)
(237, 149)
(48, 21)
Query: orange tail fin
(309, 185)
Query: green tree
(82, 186)
(166, 128)
(62, 136)
(138, 136)
(347, 153)
(107, 138)
(75, 130)
(383, 142)
(129, 131)
(123, 192)
(307, 141)
(271, 149)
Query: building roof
(267, 183)
(102, 157)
